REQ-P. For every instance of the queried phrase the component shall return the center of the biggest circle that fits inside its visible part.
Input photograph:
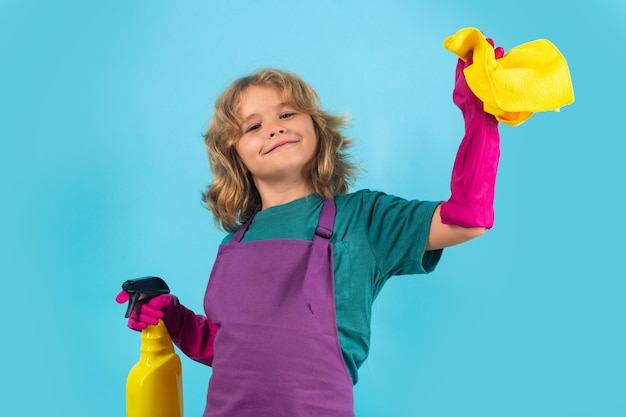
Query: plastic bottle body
(154, 384)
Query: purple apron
(277, 350)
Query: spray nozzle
(143, 289)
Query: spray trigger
(143, 289)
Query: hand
(462, 95)
(146, 313)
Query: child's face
(278, 142)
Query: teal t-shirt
(375, 236)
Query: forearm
(444, 235)
(474, 175)
(473, 179)
(194, 334)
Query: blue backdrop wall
(102, 108)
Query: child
(288, 303)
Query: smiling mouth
(279, 145)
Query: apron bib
(277, 350)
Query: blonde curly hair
(232, 196)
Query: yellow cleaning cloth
(531, 77)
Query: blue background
(102, 107)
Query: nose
(276, 131)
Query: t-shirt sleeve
(397, 231)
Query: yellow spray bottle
(154, 384)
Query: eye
(287, 115)
(252, 128)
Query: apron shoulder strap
(320, 257)
(244, 228)
(327, 219)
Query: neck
(278, 194)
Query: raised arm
(468, 212)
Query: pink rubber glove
(193, 334)
(146, 313)
(474, 172)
